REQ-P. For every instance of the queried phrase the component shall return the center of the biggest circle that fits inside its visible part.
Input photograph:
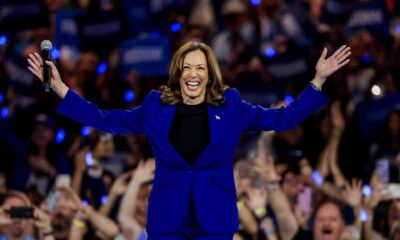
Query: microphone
(45, 47)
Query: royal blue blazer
(210, 179)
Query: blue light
(4, 112)
(398, 28)
(155, 35)
(366, 58)
(176, 27)
(60, 136)
(129, 96)
(102, 68)
(1, 97)
(89, 159)
(270, 52)
(366, 190)
(317, 178)
(364, 216)
(85, 202)
(55, 53)
(104, 200)
(288, 99)
(85, 131)
(3, 40)
(255, 2)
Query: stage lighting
(376, 90)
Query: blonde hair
(171, 93)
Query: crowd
(336, 176)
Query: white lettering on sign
(142, 54)
(17, 11)
(288, 69)
(365, 17)
(68, 26)
(18, 74)
(102, 29)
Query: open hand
(145, 171)
(327, 66)
(352, 193)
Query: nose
(193, 72)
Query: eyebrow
(196, 65)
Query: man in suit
(193, 125)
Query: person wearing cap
(193, 125)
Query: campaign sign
(290, 67)
(372, 114)
(66, 29)
(371, 16)
(136, 15)
(149, 56)
(335, 10)
(22, 14)
(100, 31)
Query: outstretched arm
(75, 107)
(283, 118)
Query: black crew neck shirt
(190, 132)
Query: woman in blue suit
(193, 125)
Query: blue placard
(371, 16)
(372, 114)
(100, 31)
(22, 14)
(136, 15)
(148, 56)
(66, 29)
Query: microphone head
(45, 45)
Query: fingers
(339, 51)
(35, 65)
(343, 55)
(52, 66)
(324, 53)
(39, 58)
(38, 75)
(36, 59)
(344, 63)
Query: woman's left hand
(327, 66)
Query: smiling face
(193, 82)
(328, 223)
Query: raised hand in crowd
(42, 221)
(86, 214)
(352, 193)
(131, 228)
(117, 189)
(287, 222)
(257, 202)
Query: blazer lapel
(216, 124)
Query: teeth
(193, 83)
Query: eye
(186, 67)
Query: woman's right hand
(36, 67)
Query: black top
(190, 132)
